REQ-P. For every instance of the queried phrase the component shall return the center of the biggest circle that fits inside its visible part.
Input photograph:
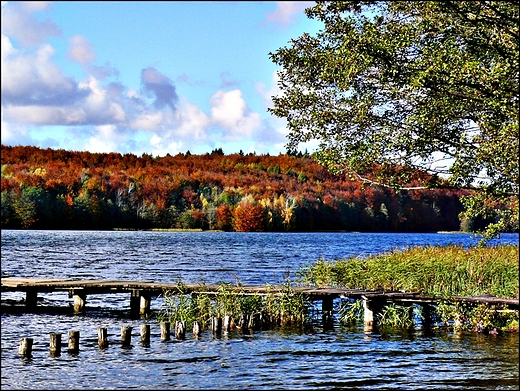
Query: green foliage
(411, 85)
(273, 308)
(484, 318)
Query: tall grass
(431, 270)
(277, 307)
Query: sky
(145, 77)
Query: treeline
(59, 189)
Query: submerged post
(145, 304)
(55, 344)
(371, 308)
(73, 341)
(327, 305)
(102, 337)
(165, 331)
(180, 329)
(31, 299)
(126, 335)
(80, 299)
(145, 334)
(25, 348)
(196, 329)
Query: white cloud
(286, 11)
(268, 92)
(231, 112)
(81, 50)
(20, 23)
(102, 116)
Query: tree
(249, 216)
(391, 87)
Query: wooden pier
(142, 292)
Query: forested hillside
(58, 189)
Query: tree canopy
(406, 85)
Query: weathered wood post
(145, 303)
(243, 322)
(25, 348)
(73, 341)
(31, 299)
(165, 331)
(135, 303)
(180, 329)
(196, 329)
(102, 337)
(216, 325)
(254, 321)
(371, 308)
(226, 323)
(126, 335)
(426, 317)
(145, 334)
(327, 306)
(80, 299)
(55, 344)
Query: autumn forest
(58, 189)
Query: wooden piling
(216, 325)
(145, 334)
(196, 329)
(145, 304)
(80, 300)
(73, 341)
(327, 306)
(55, 344)
(25, 348)
(126, 335)
(371, 307)
(31, 299)
(254, 321)
(427, 318)
(180, 329)
(226, 324)
(102, 337)
(165, 331)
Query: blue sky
(145, 77)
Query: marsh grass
(245, 310)
(432, 270)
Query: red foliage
(249, 217)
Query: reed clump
(432, 270)
(236, 308)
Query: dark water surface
(279, 359)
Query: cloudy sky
(145, 77)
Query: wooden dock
(141, 292)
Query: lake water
(313, 358)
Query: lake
(313, 358)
